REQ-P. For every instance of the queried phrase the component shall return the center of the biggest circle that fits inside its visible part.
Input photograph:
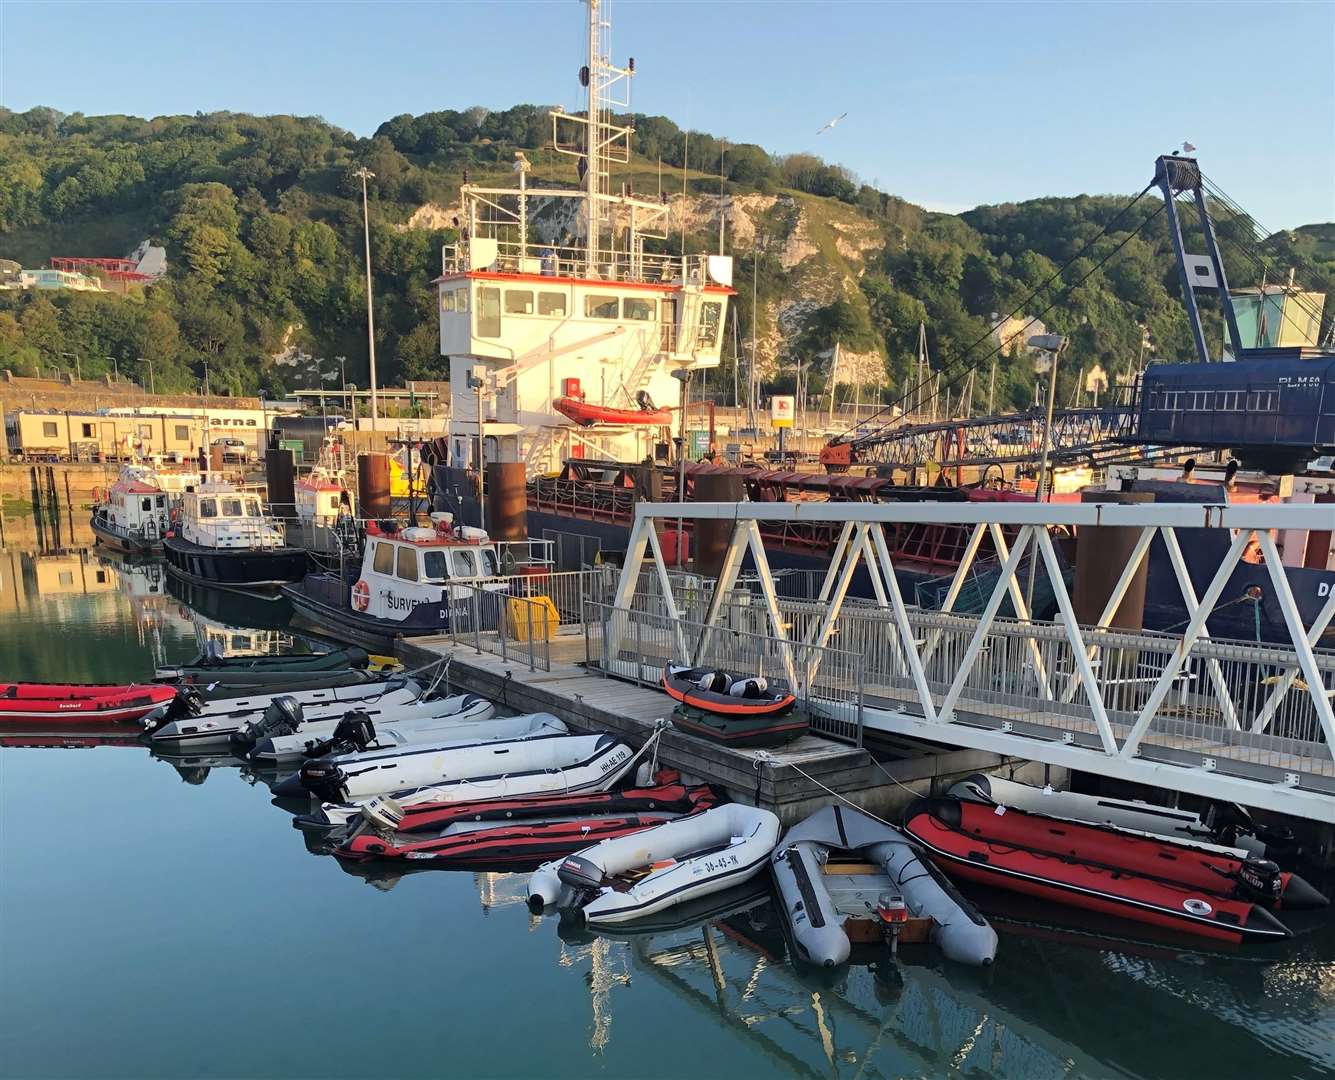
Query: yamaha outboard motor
(354, 734)
(283, 716)
(188, 702)
(580, 874)
(323, 779)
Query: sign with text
(781, 408)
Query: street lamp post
(152, 386)
(78, 370)
(1054, 345)
(206, 379)
(115, 367)
(365, 174)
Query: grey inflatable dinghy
(816, 903)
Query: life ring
(361, 596)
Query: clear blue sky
(950, 104)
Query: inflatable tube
(1135, 877)
(46, 703)
(567, 764)
(683, 684)
(222, 669)
(634, 876)
(959, 931)
(1233, 830)
(215, 726)
(416, 722)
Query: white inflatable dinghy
(634, 876)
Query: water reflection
(1064, 999)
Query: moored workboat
(408, 584)
(223, 538)
(132, 516)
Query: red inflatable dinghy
(587, 415)
(26, 703)
(507, 831)
(1147, 879)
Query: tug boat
(224, 539)
(821, 891)
(735, 710)
(628, 878)
(131, 517)
(520, 831)
(403, 587)
(83, 703)
(1193, 890)
(323, 495)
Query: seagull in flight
(1187, 148)
(831, 124)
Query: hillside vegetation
(261, 217)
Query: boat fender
(715, 682)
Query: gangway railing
(1236, 721)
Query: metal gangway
(1245, 722)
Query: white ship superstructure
(567, 294)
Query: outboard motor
(382, 813)
(1259, 880)
(283, 716)
(354, 734)
(323, 779)
(580, 874)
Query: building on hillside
(143, 265)
(52, 279)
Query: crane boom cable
(1037, 290)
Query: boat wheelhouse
(132, 517)
(408, 583)
(323, 495)
(566, 294)
(224, 538)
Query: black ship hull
(237, 568)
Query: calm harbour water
(166, 920)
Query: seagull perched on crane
(831, 124)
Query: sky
(950, 105)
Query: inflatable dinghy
(379, 771)
(289, 739)
(568, 764)
(83, 703)
(1158, 881)
(725, 694)
(818, 894)
(633, 876)
(1225, 824)
(214, 726)
(206, 668)
(541, 828)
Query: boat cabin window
(146, 504)
(711, 312)
(597, 306)
(490, 568)
(633, 307)
(434, 567)
(488, 312)
(519, 301)
(454, 300)
(552, 304)
(208, 508)
(231, 507)
(161, 500)
(384, 558)
(407, 568)
(252, 508)
(465, 565)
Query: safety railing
(637, 644)
(517, 628)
